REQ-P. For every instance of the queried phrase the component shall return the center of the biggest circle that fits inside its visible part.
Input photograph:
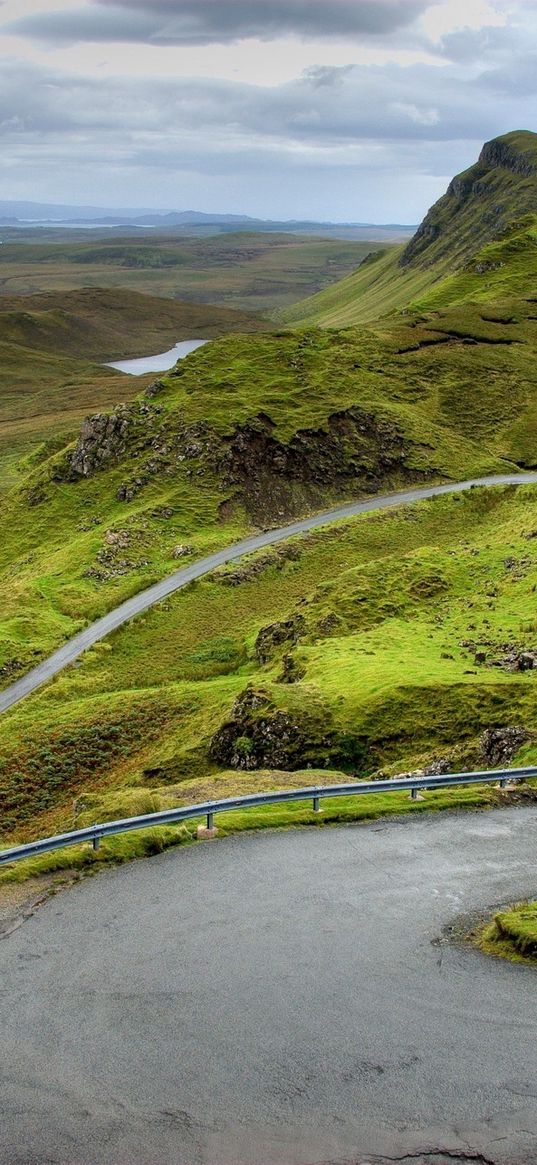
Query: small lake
(160, 363)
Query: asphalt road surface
(180, 578)
(279, 999)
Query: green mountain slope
(248, 431)
(388, 642)
(481, 233)
(479, 204)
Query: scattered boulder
(183, 550)
(128, 490)
(258, 735)
(10, 668)
(155, 388)
(118, 538)
(292, 670)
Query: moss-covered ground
(511, 934)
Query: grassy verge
(334, 811)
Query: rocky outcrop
(259, 735)
(288, 631)
(292, 671)
(103, 438)
(355, 450)
(500, 745)
(503, 152)
(183, 550)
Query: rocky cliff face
(480, 203)
(353, 451)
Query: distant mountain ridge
(22, 214)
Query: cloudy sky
(348, 110)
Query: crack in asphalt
(424, 1156)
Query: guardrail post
(316, 805)
(96, 840)
(210, 820)
(413, 794)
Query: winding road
(281, 999)
(180, 578)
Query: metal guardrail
(208, 809)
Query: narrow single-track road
(281, 999)
(180, 578)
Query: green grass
(409, 382)
(378, 287)
(512, 934)
(392, 628)
(394, 606)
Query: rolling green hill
(52, 348)
(388, 642)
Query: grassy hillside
(378, 287)
(250, 430)
(388, 642)
(248, 272)
(51, 349)
(394, 640)
(479, 204)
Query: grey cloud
(219, 21)
(399, 132)
(324, 76)
(350, 107)
(515, 77)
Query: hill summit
(479, 203)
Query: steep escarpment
(480, 203)
(477, 243)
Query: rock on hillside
(480, 203)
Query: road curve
(180, 578)
(279, 999)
